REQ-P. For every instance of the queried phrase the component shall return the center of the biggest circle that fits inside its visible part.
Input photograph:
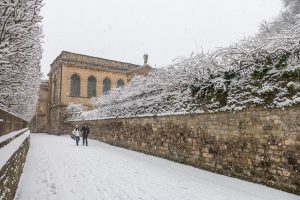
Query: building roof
(91, 61)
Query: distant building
(75, 78)
(39, 121)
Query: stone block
(289, 142)
(273, 171)
(273, 147)
(275, 158)
(219, 166)
(196, 153)
(207, 155)
(286, 173)
(205, 150)
(144, 144)
(261, 151)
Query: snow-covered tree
(263, 70)
(74, 108)
(20, 55)
(292, 5)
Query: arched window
(106, 85)
(75, 85)
(120, 83)
(54, 90)
(91, 86)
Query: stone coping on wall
(9, 149)
(6, 139)
(254, 109)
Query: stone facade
(38, 123)
(50, 113)
(258, 145)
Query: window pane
(120, 83)
(106, 85)
(75, 85)
(91, 86)
(54, 90)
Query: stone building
(39, 121)
(75, 78)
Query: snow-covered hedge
(74, 109)
(260, 71)
(20, 55)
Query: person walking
(85, 132)
(76, 133)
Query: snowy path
(57, 169)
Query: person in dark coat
(85, 130)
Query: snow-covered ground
(57, 169)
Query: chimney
(145, 59)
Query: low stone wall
(10, 123)
(257, 145)
(11, 172)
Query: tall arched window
(106, 85)
(91, 86)
(120, 83)
(75, 85)
(54, 90)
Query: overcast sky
(124, 30)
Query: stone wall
(257, 145)
(56, 120)
(11, 172)
(10, 123)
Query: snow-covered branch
(257, 71)
(20, 55)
